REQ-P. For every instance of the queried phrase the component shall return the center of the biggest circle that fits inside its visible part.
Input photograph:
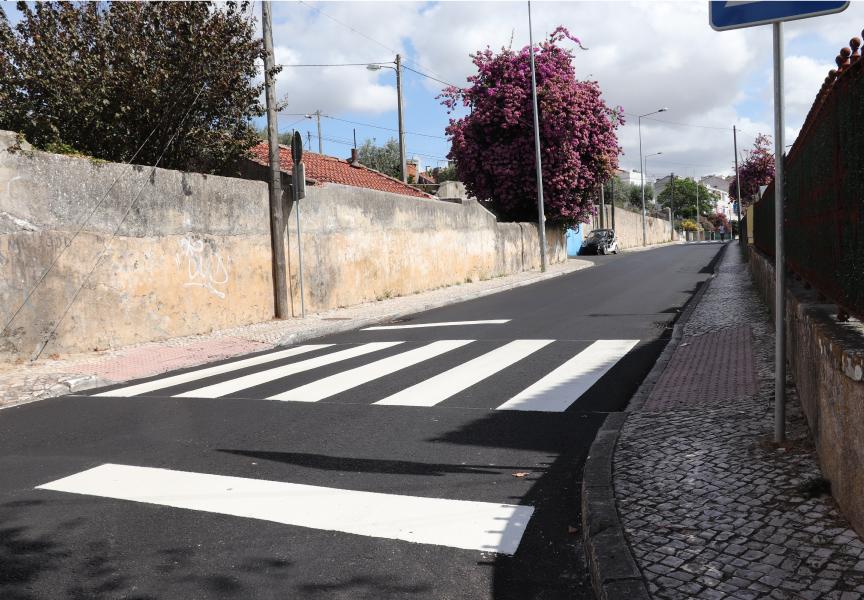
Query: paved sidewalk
(29, 381)
(710, 507)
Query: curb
(614, 572)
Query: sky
(644, 54)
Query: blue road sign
(734, 15)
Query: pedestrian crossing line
(442, 324)
(340, 382)
(562, 387)
(483, 526)
(247, 381)
(440, 387)
(158, 384)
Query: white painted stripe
(330, 386)
(442, 324)
(437, 389)
(158, 384)
(253, 379)
(563, 386)
(484, 526)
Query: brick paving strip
(709, 506)
(29, 381)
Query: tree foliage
(685, 195)
(100, 78)
(448, 173)
(756, 170)
(384, 158)
(718, 220)
(493, 145)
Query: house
(720, 186)
(322, 169)
(632, 177)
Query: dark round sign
(297, 148)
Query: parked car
(600, 241)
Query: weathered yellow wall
(628, 228)
(192, 252)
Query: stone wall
(628, 227)
(110, 254)
(826, 361)
(361, 245)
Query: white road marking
(330, 386)
(158, 384)
(253, 379)
(563, 386)
(483, 526)
(442, 324)
(440, 387)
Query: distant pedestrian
(722, 231)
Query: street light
(398, 69)
(644, 234)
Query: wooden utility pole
(277, 219)
(402, 160)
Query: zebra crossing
(554, 391)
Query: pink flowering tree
(756, 170)
(493, 146)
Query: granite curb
(614, 572)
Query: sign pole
(737, 178)
(779, 258)
(541, 216)
(298, 183)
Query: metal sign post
(541, 215)
(735, 15)
(298, 190)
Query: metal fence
(824, 206)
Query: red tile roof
(328, 169)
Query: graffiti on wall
(205, 266)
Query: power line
(365, 64)
(430, 77)
(429, 135)
(371, 39)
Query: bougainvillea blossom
(493, 146)
(756, 170)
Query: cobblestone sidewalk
(55, 376)
(710, 507)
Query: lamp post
(398, 69)
(644, 234)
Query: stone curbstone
(614, 572)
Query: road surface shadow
(369, 465)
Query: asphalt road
(434, 494)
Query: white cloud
(644, 54)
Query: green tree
(381, 158)
(684, 200)
(625, 194)
(447, 173)
(100, 78)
